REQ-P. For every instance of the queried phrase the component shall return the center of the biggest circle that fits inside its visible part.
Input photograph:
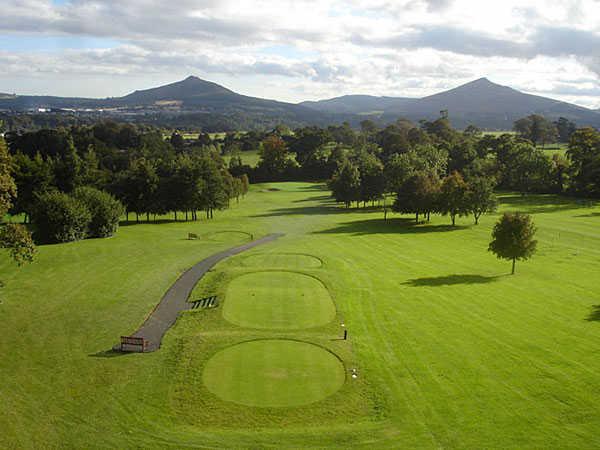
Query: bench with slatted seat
(206, 302)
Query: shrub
(104, 208)
(17, 239)
(59, 217)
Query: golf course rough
(274, 373)
(278, 300)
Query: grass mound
(274, 373)
(283, 261)
(278, 300)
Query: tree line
(430, 167)
(136, 167)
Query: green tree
(15, 238)
(345, 184)
(67, 168)
(273, 156)
(397, 170)
(453, 198)
(33, 176)
(565, 129)
(512, 238)
(105, 211)
(59, 217)
(214, 195)
(584, 153)
(245, 184)
(480, 197)
(372, 181)
(537, 129)
(368, 127)
(8, 188)
(418, 195)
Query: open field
(251, 158)
(450, 350)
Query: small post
(345, 334)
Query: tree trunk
(428, 216)
(476, 218)
(417, 218)
(147, 217)
(186, 215)
(137, 217)
(127, 216)
(385, 214)
(175, 215)
(453, 216)
(513, 266)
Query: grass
(274, 373)
(251, 158)
(278, 300)
(282, 260)
(450, 350)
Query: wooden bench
(133, 344)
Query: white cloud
(324, 47)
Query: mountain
(192, 90)
(358, 104)
(491, 105)
(480, 102)
(199, 103)
(190, 96)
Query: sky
(294, 50)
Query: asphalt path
(175, 299)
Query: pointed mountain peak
(193, 78)
(482, 82)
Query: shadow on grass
(395, 225)
(594, 315)
(304, 211)
(594, 214)
(314, 187)
(544, 203)
(451, 280)
(112, 353)
(124, 223)
(317, 198)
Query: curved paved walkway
(175, 299)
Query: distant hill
(359, 104)
(491, 105)
(481, 103)
(188, 96)
(194, 102)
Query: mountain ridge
(479, 102)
